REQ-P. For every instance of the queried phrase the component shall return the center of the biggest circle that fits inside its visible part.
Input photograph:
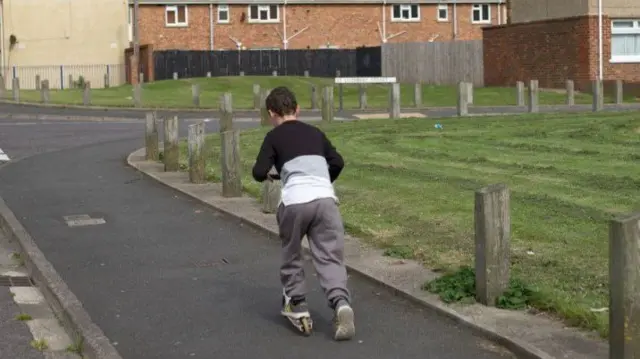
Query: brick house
(301, 24)
(552, 41)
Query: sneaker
(294, 311)
(344, 322)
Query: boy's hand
(273, 177)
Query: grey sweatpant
(321, 222)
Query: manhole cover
(9, 281)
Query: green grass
(408, 188)
(23, 317)
(177, 94)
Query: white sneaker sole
(345, 328)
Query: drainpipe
(211, 27)
(2, 40)
(455, 20)
(285, 41)
(600, 41)
(384, 21)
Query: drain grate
(10, 281)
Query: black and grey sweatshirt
(305, 159)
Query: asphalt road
(166, 277)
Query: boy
(307, 163)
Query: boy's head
(282, 105)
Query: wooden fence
(438, 63)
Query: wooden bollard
(195, 94)
(265, 119)
(38, 82)
(86, 94)
(71, 83)
(492, 236)
(362, 96)
(231, 175)
(257, 97)
(571, 93)
(151, 138)
(619, 92)
(171, 155)
(137, 95)
(106, 81)
(417, 95)
(327, 104)
(340, 93)
(463, 99)
(520, 93)
(44, 92)
(534, 93)
(195, 143)
(624, 281)
(394, 101)
(598, 96)
(15, 89)
(314, 97)
(271, 195)
(226, 112)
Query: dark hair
(282, 101)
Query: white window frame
(444, 7)
(130, 16)
(478, 8)
(635, 30)
(221, 9)
(405, 7)
(263, 8)
(174, 8)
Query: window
(481, 14)
(130, 23)
(223, 13)
(443, 12)
(405, 12)
(263, 13)
(625, 41)
(176, 15)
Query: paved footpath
(166, 278)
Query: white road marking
(80, 220)
(27, 295)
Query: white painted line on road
(27, 295)
(80, 220)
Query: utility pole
(136, 38)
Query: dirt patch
(637, 130)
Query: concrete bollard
(208, 73)
(362, 96)
(314, 97)
(226, 112)
(137, 95)
(195, 94)
(86, 94)
(394, 101)
(327, 104)
(619, 92)
(171, 153)
(492, 242)
(598, 96)
(265, 119)
(571, 93)
(257, 97)
(44, 92)
(38, 82)
(274, 73)
(271, 194)
(15, 89)
(520, 93)
(463, 99)
(417, 95)
(151, 146)
(106, 81)
(195, 143)
(306, 73)
(533, 96)
(469, 93)
(231, 164)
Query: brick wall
(346, 26)
(552, 51)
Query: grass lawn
(410, 186)
(177, 94)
